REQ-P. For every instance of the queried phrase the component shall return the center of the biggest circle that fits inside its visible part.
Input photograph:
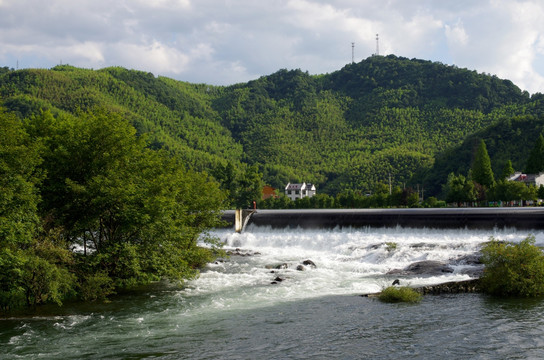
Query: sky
(223, 42)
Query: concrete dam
(451, 218)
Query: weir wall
(472, 218)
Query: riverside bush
(513, 269)
(394, 294)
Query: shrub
(394, 294)
(97, 287)
(513, 269)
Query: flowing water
(234, 311)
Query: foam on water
(349, 261)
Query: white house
(528, 179)
(299, 191)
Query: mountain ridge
(350, 129)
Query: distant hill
(508, 139)
(353, 128)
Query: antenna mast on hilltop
(377, 45)
(352, 52)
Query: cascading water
(348, 261)
(233, 310)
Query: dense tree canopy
(535, 162)
(134, 213)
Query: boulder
(471, 259)
(427, 267)
(455, 287)
(277, 266)
(309, 263)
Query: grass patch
(394, 294)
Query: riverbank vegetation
(513, 269)
(87, 208)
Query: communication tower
(377, 45)
(352, 52)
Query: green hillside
(353, 128)
(175, 115)
(509, 139)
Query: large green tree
(482, 173)
(137, 213)
(459, 189)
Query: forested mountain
(509, 139)
(353, 128)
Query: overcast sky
(223, 42)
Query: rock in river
(427, 267)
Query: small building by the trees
(299, 190)
(528, 179)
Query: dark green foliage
(19, 176)
(138, 210)
(513, 269)
(404, 294)
(512, 191)
(96, 286)
(540, 192)
(459, 189)
(535, 162)
(241, 185)
(481, 167)
(507, 171)
(91, 181)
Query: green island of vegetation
(109, 178)
(402, 294)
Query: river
(234, 311)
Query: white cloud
(165, 4)
(500, 39)
(154, 57)
(456, 34)
(90, 51)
